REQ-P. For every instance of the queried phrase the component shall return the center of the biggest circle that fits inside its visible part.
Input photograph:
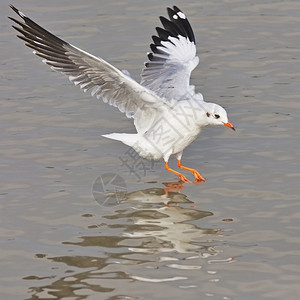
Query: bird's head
(217, 115)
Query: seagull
(168, 114)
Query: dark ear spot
(208, 114)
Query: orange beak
(229, 125)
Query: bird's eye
(217, 116)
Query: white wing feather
(87, 71)
(173, 58)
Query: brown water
(236, 236)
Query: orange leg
(195, 172)
(181, 176)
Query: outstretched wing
(85, 70)
(173, 57)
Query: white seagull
(168, 114)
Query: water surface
(236, 236)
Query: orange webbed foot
(198, 177)
(181, 176)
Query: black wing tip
(173, 11)
(36, 31)
(13, 8)
(176, 8)
(178, 22)
(164, 34)
(182, 22)
(177, 25)
(19, 13)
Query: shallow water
(83, 218)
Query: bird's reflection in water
(153, 220)
(163, 219)
(150, 229)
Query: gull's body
(168, 114)
(160, 138)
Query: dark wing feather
(89, 72)
(173, 58)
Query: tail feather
(126, 138)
